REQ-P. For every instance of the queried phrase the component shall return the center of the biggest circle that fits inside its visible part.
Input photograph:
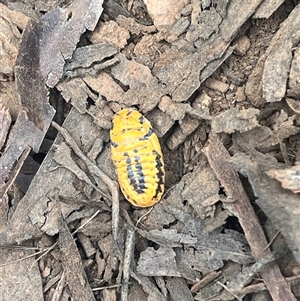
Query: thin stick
(59, 288)
(272, 240)
(92, 217)
(126, 263)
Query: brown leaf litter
(219, 82)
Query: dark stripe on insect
(141, 120)
(147, 136)
(133, 176)
(160, 173)
(114, 144)
(130, 172)
(140, 174)
(125, 130)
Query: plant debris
(219, 82)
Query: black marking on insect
(133, 176)
(141, 120)
(160, 173)
(114, 144)
(148, 135)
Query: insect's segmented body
(137, 156)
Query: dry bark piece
(202, 257)
(106, 245)
(213, 290)
(270, 194)
(136, 292)
(10, 22)
(78, 17)
(187, 126)
(188, 116)
(269, 77)
(284, 215)
(246, 275)
(43, 6)
(9, 98)
(294, 77)
(217, 85)
(215, 64)
(145, 90)
(164, 13)
(289, 177)
(109, 295)
(178, 289)
(99, 177)
(15, 18)
(62, 184)
(110, 32)
(233, 120)
(86, 56)
(263, 137)
(114, 9)
(159, 262)
(78, 91)
(205, 24)
(31, 86)
(62, 156)
(160, 121)
(177, 29)
(267, 8)
(20, 280)
(149, 287)
(22, 136)
(236, 16)
(45, 216)
(105, 85)
(276, 69)
(218, 158)
(181, 76)
(9, 47)
(5, 121)
(173, 235)
(146, 50)
(86, 244)
(227, 244)
(76, 278)
(99, 228)
(200, 185)
(37, 47)
(205, 280)
(133, 26)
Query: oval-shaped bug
(137, 157)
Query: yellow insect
(137, 156)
